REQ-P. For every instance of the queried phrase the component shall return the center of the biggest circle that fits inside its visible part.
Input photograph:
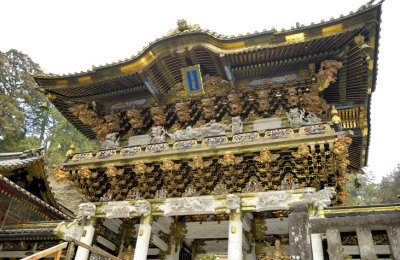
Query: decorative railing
(206, 142)
(56, 250)
(71, 242)
(371, 232)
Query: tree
(389, 188)
(367, 192)
(23, 125)
(61, 135)
(20, 114)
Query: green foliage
(20, 114)
(23, 125)
(61, 135)
(366, 194)
(389, 188)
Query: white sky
(71, 36)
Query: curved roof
(183, 40)
(23, 175)
(251, 56)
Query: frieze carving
(232, 203)
(276, 170)
(273, 200)
(117, 209)
(298, 117)
(220, 105)
(87, 210)
(111, 141)
(143, 208)
(189, 206)
(327, 73)
(237, 125)
(319, 198)
(341, 150)
(158, 134)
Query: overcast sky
(71, 36)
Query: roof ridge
(183, 28)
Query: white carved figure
(319, 198)
(69, 229)
(186, 204)
(87, 210)
(213, 128)
(189, 205)
(183, 134)
(158, 134)
(237, 125)
(143, 207)
(308, 195)
(117, 209)
(295, 116)
(232, 203)
(268, 200)
(111, 141)
(312, 118)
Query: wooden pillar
(143, 239)
(316, 245)
(299, 239)
(87, 238)
(335, 249)
(365, 243)
(235, 246)
(394, 241)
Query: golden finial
(71, 150)
(336, 119)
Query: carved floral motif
(84, 172)
(135, 118)
(302, 151)
(262, 100)
(112, 171)
(182, 111)
(327, 73)
(253, 185)
(208, 108)
(230, 159)
(235, 104)
(140, 167)
(219, 189)
(341, 150)
(198, 163)
(59, 174)
(266, 156)
(158, 115)
(169, 165)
